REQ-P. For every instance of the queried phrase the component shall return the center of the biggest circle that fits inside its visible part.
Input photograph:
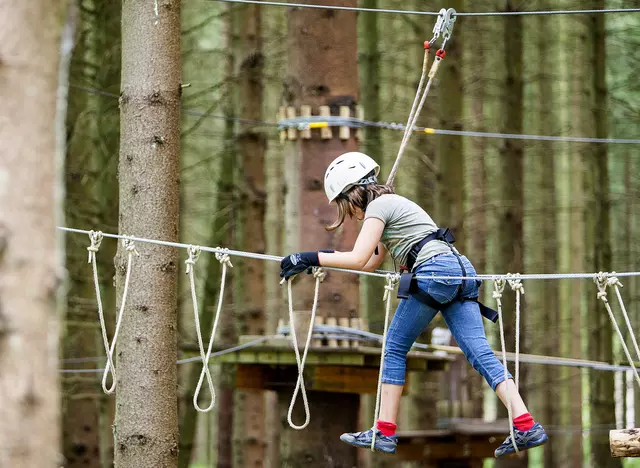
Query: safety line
(433, 13)
(377, 273)
(302, 123)
(233, 349)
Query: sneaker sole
(538, 444)
(367, 446)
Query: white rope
(516, 285)
(319, 275)
(392, 282)
(225, 261)
(96, 240)
(603, 281)
(415, 113)
(498, 285)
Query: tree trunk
(598, 243)
(475, 177)
(510, 234)
(322, 71)
(250, 440)
(146, 426)
(31, 250)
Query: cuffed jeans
(462, 317)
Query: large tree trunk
(30, 249)
(146, 426)
(250, 428)
(322, 71)
(510, 250)
(598, 243)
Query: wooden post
(625, 443)
(305, 111)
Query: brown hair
(357, 197)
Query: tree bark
(510, 228)
(31, 251)
(146, 426)
(598, 243)
(322, 71)
(250, 429)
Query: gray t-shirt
(405, 225)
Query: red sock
(524, 422)
(387, 428)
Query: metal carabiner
(437, 28)
(447, 25)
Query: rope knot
(130, 246)
(194, 254)
(223, 257)
(516, 283)
(319, 274)
(96, 240)
(602, 281)
(498, 287)
(392, 281)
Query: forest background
(516, 206)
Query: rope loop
(602, 282)
(223, 258)
(319, 275)
(392, 281)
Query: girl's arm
(363, 250)
(376, 260)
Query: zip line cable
(378, 273)
(434, 13)
(302, 123)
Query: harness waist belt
(442, 234)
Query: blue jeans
(462, 317)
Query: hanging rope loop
(392, 281)
(499, 284)
(223, 258)
(603, 281)
(319, 275)
(516, 285)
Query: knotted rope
(392, 282)
(498, 285)
(603, 281)
(96, 239)
(319, 275)
(225, 261)
(516, 285)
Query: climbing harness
(409, 284)
(603, 281)
(225, 261)
(392, 281)
(96, 239)
(443, 27)
(319, 276)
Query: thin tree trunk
(598, 242)
(146, 426)
(31, 251)
(250, 428)
(510, 229)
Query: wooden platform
(462, 443)
(272, 366)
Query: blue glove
(296, 263)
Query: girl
(408, 233)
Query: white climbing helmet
(348, 170)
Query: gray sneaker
(384, 444)
(524, 440)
